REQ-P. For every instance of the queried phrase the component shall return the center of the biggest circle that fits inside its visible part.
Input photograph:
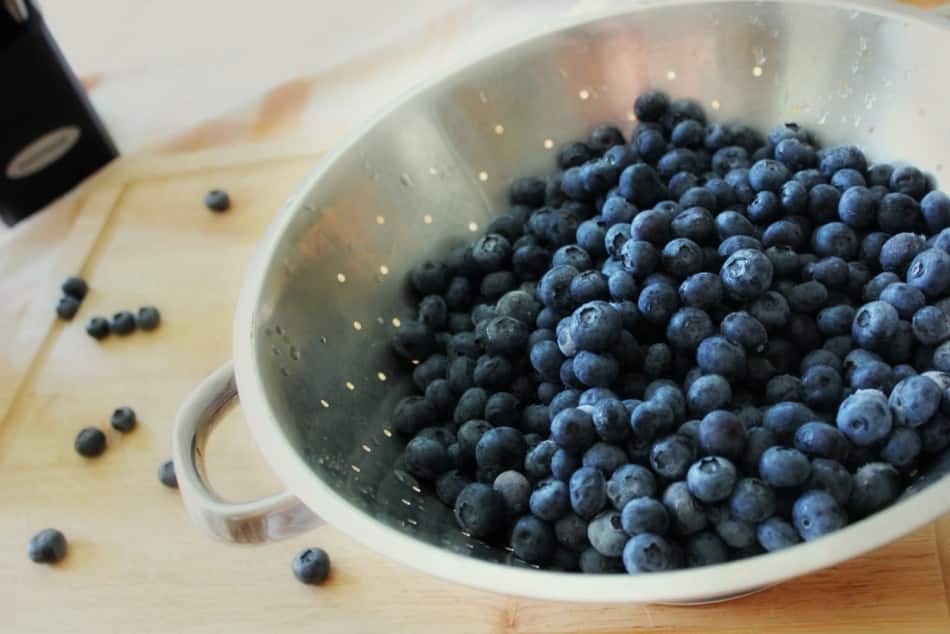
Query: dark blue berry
(217, 200)
(123, 419)
(685, 511)
(784, 467)
(90, 442)
(721, 433)
(67, 307)
(746, 274)
(47, 547)
(629, 482)
(864, 417)
(816, 514)
(935, 208)
(480, 510)
(166, 474)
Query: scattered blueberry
(217, 200)
(147, 318)
(97, 328)
(123, 419)
(166, 474)
(90, 442)
(47, 547)
(123, 323)
(67, 307)
(312, 566)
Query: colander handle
(269, 519)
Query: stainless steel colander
(327, 288)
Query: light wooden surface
(139, 233)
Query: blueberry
(433, 368)
(809, 178)
(652, 226)
(864, 417)
(606, 534)
(721, 433)
(795, 153)
(537, 462)
(823, 204)
(807, 297)
(123, 419)
(573, 429)
(758, 439)
(460, 374)
(502, 409)
(527, 191)
(657, 303)
(90, 442)
(906, 299)
(745, 330)
(747, 274)
(493, 372)
(767, 175)
(935, 208)
(752, 500)
(67, 307)
(499, 449)
(858, 207)
(783, 387)
(711, 479)
(729, 246)
(835, 239)
(842, 157)
(595, 326)
(821, 387)
(902, 447)
(651, 105)
(899, 250)
(650, 418)
(707, 393)
(685, 511)
(550, 500)
(847, 178)
(930, 272)
(641, 185)
(915, 400)
(731, 223)
(563, 400)
(312, 566)
(874, 325)
(426, 458)
(47, 547)
(876, 485)
(785, 232)
(682, 257)
(698, 198)
(430, 278)
(909, 180)
(821, 356)
(610, 419)
(935, 434)
(480, 510)
(931, 326)
(594, 369)
(776, 534)
(688, 133)
(670, 457)
(821, 440)
(629, 482)
(573, 154)
(873, 375)
(718, 355)
(678, 160)
(701, 290)
(616, 210)
(413, 341)
(899, 212)
(688, 327)
(704, 549)
(647, 552)
(97, 328)
(793, 199)
(644, 515)
(533, 540)
(816, 514)
(75, 287)
(784, 467)
(166, 474)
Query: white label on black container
(42, 152)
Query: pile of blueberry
(686, 347)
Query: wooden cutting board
(140, 234)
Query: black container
(50, 137)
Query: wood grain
(141, 235)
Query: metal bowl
(327, 287)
